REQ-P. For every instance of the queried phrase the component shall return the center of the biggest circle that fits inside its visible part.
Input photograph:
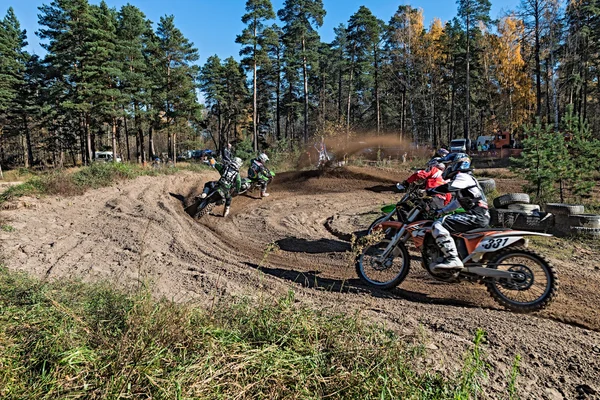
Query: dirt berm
(137, 232)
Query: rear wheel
(535, 287)
(383, 273)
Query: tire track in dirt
(137, 231)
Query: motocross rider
(468, 195)
(258, 172)
(230, 176)
(433, 178)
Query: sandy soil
(136, 232)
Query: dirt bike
(516, 277)
(202, 206)
(401, 210)
(249, 185)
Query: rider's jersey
(468, 192)
(229, 176)
(256, 169)
(433, 178)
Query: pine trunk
(254, 95)
(114, 138)
(468, 88)
(305, 76)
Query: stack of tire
(515, 211)
(488, 185)
(570, 219)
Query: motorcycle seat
(483, 230)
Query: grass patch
(72, 340)
(65, 183)
(7, 228)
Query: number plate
(493, 244)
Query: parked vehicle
(106, 156)
(460, 146)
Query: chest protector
(255, 169)
(470, 194)
(228, 177)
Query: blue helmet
(462, 164)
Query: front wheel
(204, 208)
(536, 287)
(383, 273)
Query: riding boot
(448, 248)
(226, 212)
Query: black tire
(565, 209)
(550, 290)
(511, 198)
(586, 232)
(487, 185)
(585, 220)
(203, 209)
(383, 284)
(528, 208)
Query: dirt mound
(137, 232)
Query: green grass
(7, 228)
(61, 182)
(73, 340)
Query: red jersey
(433, 178)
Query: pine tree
(254, 52)
(68, 30)
(300, 18)
(471, 12)
(365, 36)
(136, 78)
(13, 66)
(104, 71)
(177, 76)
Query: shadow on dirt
(179, 197)
(310, 279)
(297, 245)
(383, 189)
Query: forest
(113, 80)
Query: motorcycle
(249, 185)
(516, 277)
(202, 206)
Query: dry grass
(70, 340)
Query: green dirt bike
(249, 185)
(401, 210)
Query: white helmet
(263, 158)
(237, 162)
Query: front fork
(392, 246)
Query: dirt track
(137, 231)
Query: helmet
(263, 158)
(437, 163)
(461, 165)
(443, 152)
(237, 162)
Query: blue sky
(213, 24)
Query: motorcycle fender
(495, 243)
(388, 224)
